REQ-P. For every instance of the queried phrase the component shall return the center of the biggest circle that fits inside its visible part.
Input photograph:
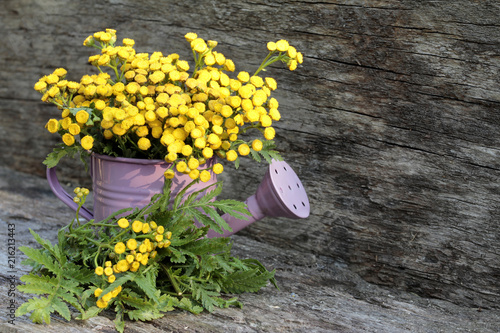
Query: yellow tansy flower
(123, 223)
(87, 142)
(101, 304)
(119, 248)
(108, 271)
(231, 155)
(132, 244)
(217, 168)
(98, 292)
(269, 133)
(169, 174)
(144, 143)
(204, 177)
(68, 139)
(137, 226)
(282, 45)
(243, 149)
(82, 116)
(99, 270)
(52, 126)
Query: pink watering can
(126, 182)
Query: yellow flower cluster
(155, 106)
(129, 255)
(283, 46)
(80, 192)
(104, 300)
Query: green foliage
(189, 272)
(61, 151)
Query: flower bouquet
(150, 106)
(142, 262)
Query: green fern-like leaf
(89, 313)
(205, 295)
(148, 287)
(246, 281)
(38, 285)
(40, 310)
(145, 314)
(41, 258)
(186, 304)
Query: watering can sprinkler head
(280, 194)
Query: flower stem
(172, 280)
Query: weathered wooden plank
(392, 121)
(317, 294)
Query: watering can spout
(280, 194)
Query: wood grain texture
(391, 123)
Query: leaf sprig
(191, 273)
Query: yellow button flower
(229, 65)
(282, 45)
(130, 258)
(52, 126)
(122, 265)
(271, 83)
(74, 129)
(169, 174)
(68, 139)
(243, 76)
(101, 304)
(181, 166)
(128, 42)
(207, 152)
(119, 248)
(194, 174)
(82, 116)
(265, 120)
(87, 142)
(143, 248)
(40, 86)
(144, 143)
(97, 292)
(257, 145)
(160, 229)
(145, 228)
(243, 149)
(135, 266)
(190, 36)
(131, 244)
(269, 133)
(231, 155)
(108, 271)
(99, 270)
(204, 177)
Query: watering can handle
(56, 187)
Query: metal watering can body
(127, 182)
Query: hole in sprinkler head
(275, 170)
(285, 168)
(303, 204)
(294, 206)
(298, 186)
(289, 187)
(281, 189)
